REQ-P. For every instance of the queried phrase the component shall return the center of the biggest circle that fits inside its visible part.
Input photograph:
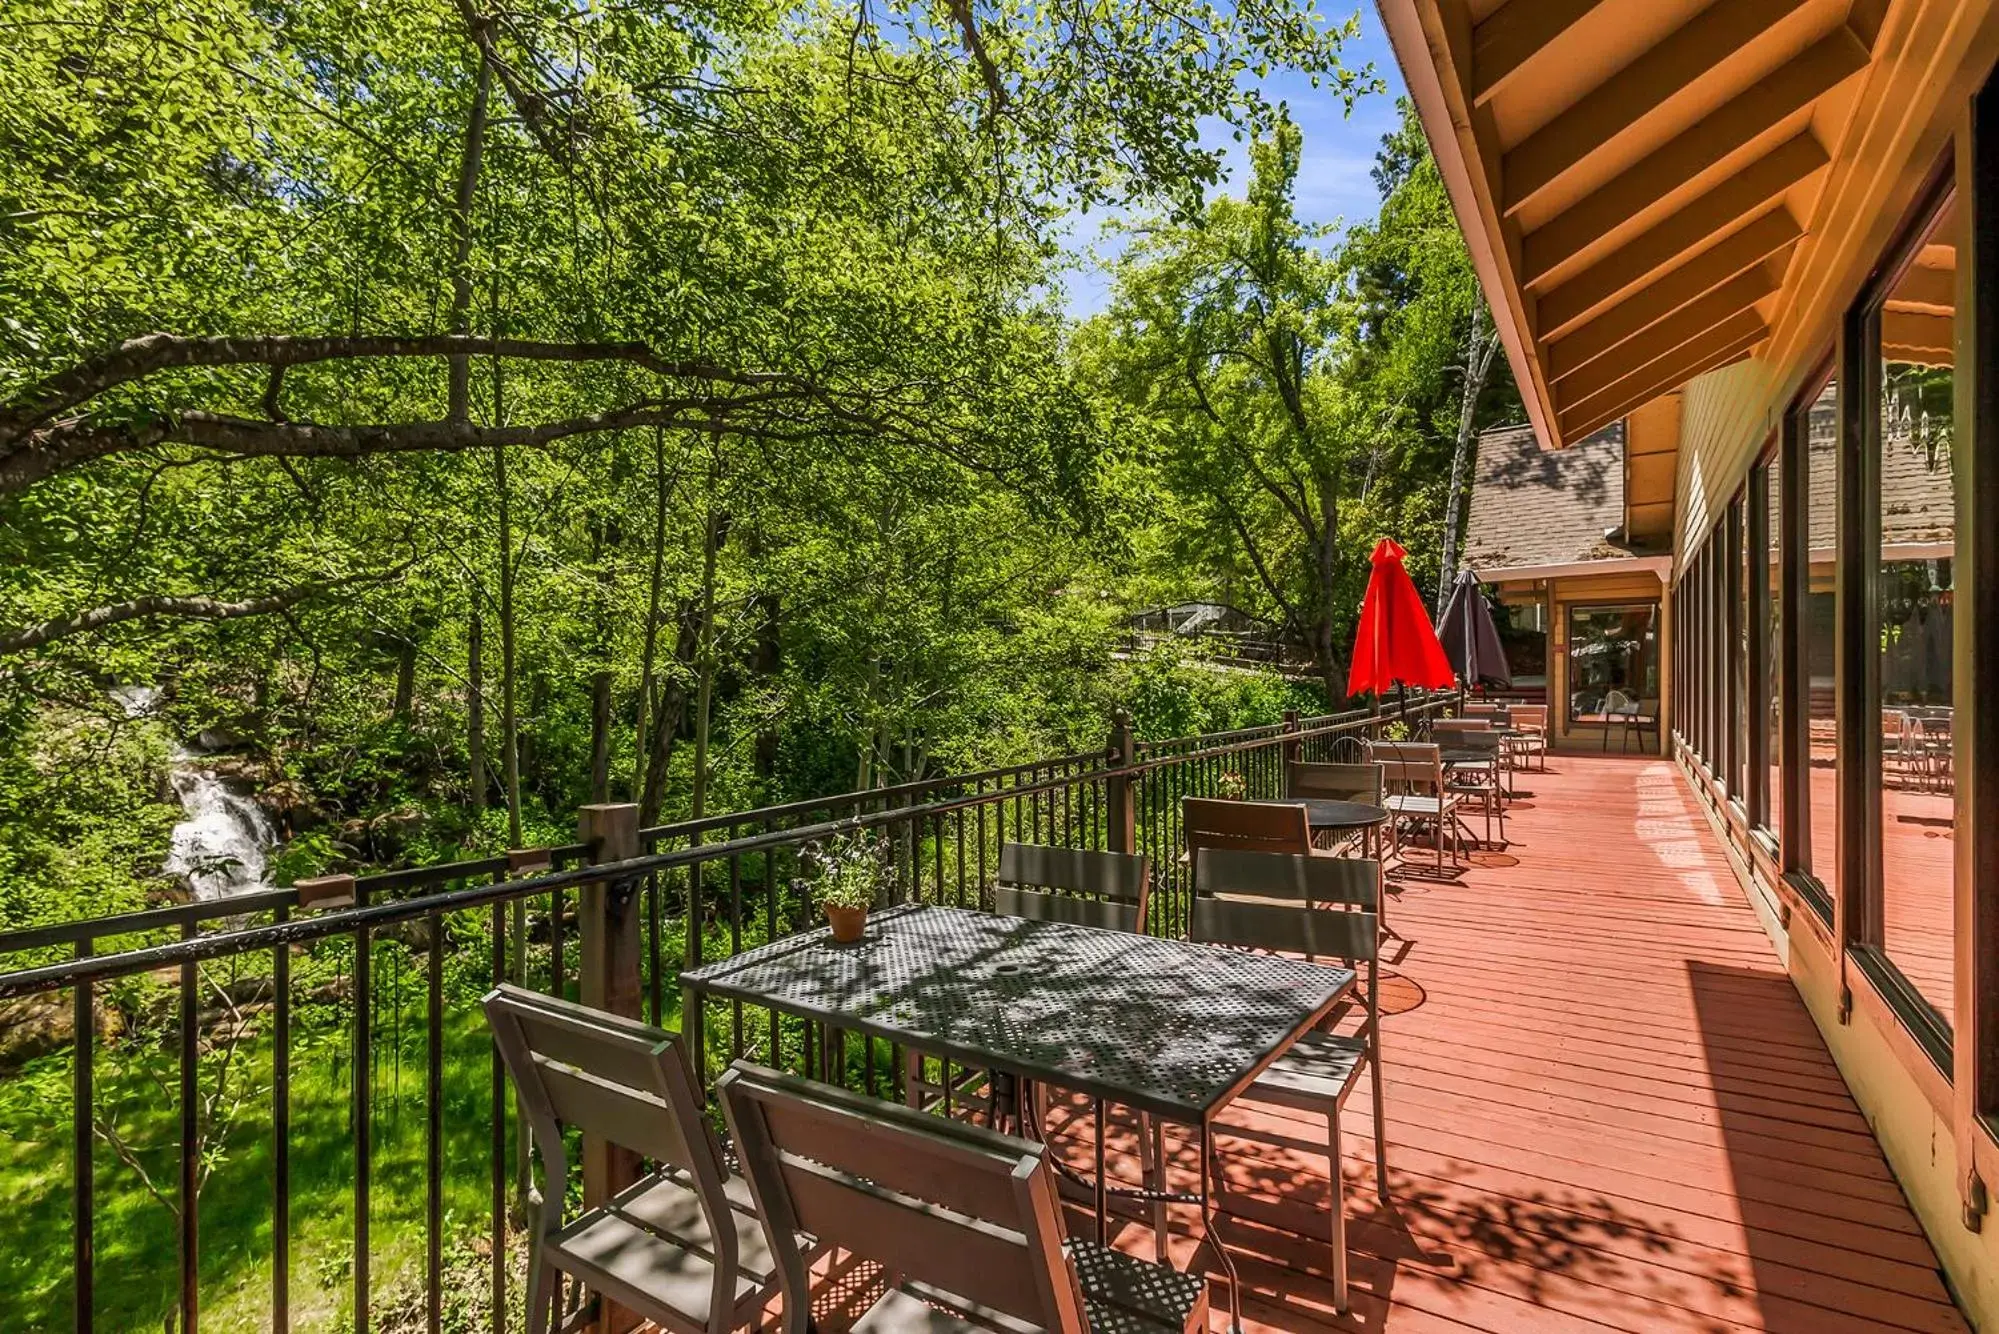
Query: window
(1914, 548)
(1765, 514)
(1820, 781)
(1523, 634)
(1737, 708)
(1613, 662)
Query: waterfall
(220, 846)
(219, 849)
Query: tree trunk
(475, 711)
(460, 367)
(405, 680)
(1479, 349)
(600, 737)
(670, 710)
(642, 750)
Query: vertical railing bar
(363, 1110)
(652, 948)
(434, 1132)
(190, 1150)
(735, 942)
(556, 948)
(499, 1140)
(83, 1223)
(281, 1131)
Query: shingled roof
(1535, 507)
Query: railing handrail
(859, 796)
(341, 921)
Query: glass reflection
(1822, 774)
(1914, 595)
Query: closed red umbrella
(1396, 644)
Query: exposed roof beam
(1582, 364)
(1503, 45)
(1709, 143)
(1614, 381)
(1925, 290)
(1671, 374)
(1564, 309)
(1686, 228)
(1686, 56)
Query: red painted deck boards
(1607, 1110)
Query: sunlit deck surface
(1607, 1109)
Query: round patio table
(1333, 816)
(1331, 813)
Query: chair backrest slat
(1347, 882)
(1337, 782)
(1046, 884)
(973, 1260)
(936, 1202)
(1257, 826)
(1409, 766)
(637, 1120)
(1530, 716)
(1098, 913)
(1297, 929)
(1110, 875)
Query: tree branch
(139, 357)
(191, 606)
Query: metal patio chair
(1106, 890)
(1337, 782)
(681, 1247)
(1312, 906)
(964, 1222)
(1412, 775)
(1481, 781)
(1255, 826)
(1530, 734)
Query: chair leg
(1380, 1124)
(541, 1317)
(1152, 1156)
(1339, 1207)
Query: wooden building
(1761, 234)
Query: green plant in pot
(854, 875)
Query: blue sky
(1333, 184)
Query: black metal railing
(244, 1015)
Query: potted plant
(853, 874)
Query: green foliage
(853, 872)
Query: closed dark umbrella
(1470, 639)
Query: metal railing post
(609, 979)
(1120, 792)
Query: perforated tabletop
(1164, 1026)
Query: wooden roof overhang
(1654, 189)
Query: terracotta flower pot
(847, 923)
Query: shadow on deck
(1607, 1109)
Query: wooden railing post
(1290, 741)
(609, 978)
(1120, 793)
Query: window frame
(1758, 549)
(1861, 901)
(1794, 572)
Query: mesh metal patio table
(1164, 1027)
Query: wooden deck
(1607, 1109)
